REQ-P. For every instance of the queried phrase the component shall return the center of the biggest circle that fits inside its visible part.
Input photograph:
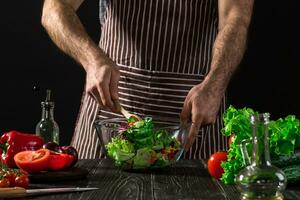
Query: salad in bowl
(139, 144)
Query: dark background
(267, 79)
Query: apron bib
(164, 48)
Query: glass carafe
(260, 179)
(47, 127)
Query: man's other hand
(102, 78)
(200, 108)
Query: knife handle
(12, 192)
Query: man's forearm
(228, 51)
(67, 32)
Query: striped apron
(164, 48)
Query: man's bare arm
(203, 101)
(65, 29)
(230, 44)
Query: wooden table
(186, 180)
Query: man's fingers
(114, 88)
(196, 123)
(193, 132)
(95, 95)
(105, 96)
(185, 115)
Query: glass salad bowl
(140, 145)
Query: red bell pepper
(59, 161)
(54, 147)
(14, 142)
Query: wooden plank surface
(186, 180)
(112, 183)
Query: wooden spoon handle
(12, 192)
(124, 112)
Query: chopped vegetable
(140, 146)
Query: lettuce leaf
(120, 149)
(283, 135)
(284, 138)
(143, 158)
(235, 121)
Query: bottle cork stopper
(48, 96)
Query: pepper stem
(3, 146)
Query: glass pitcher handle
(244, 151)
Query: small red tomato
(11, 176)
(4, 182)
(170, 153)
(214, 164)
(22, 181)
(153, 158)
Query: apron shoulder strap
(102, 10)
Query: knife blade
(15, 192)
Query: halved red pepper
(69, 150)
(59, 161)
(14, 142)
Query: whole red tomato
(11, 176)
(214, 164)
(22, 181)
(4, 183)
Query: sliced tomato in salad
(169, 152)
(153, 158)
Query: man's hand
(102, 80)
(65, 29)
(200, 107)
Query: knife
(15, 192)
